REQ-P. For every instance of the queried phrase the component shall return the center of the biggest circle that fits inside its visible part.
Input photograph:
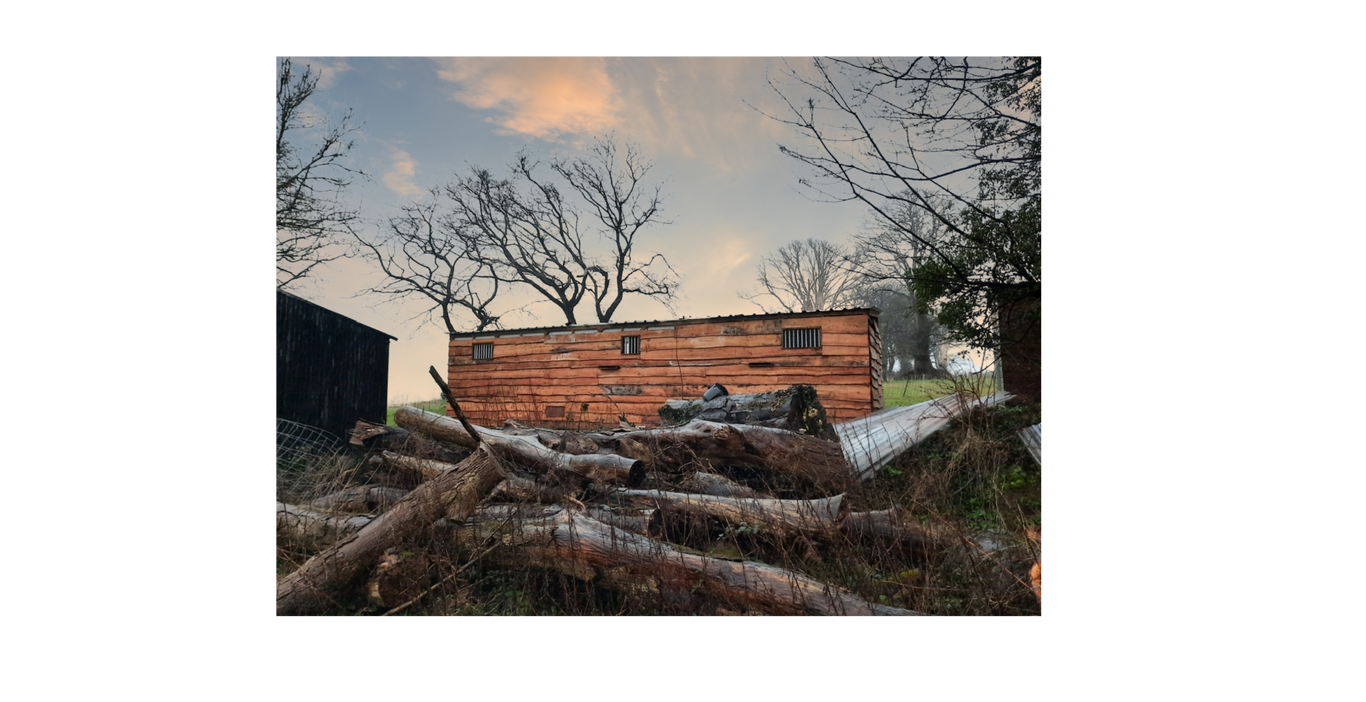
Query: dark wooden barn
(594, 374)
(330, 370)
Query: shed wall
(585, 372)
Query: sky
(730, 196)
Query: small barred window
(802, 338)
(630, 345)
(483, 352)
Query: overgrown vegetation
(973, 486)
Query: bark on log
(777, 452)
(795, 408)
(519, 489)
(381, 437)
(527, 452)
(332, 574)
(313, 527)
(359, 498)
(888, 528)
(714, 446)
(719, 485)
(781, 517)
(585, 548)
(638, 523)
(425, 467)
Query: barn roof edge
(339, 314)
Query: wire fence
(310, 461)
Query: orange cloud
(541, 97)
(399, 177)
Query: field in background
(899, 393)
(438, 406)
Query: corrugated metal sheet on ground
(1033, 440)
(873, 441)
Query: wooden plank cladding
(592, 375)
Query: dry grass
(973, 485)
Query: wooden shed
(1021, 348)
(595, 374)
(330, 370)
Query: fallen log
(780, 517)
(715, 447)
(313, 527)
(337, 571)
(638, 523)
(720, 485)
(525, 451)
(382, 437)
(519, 489)
(425, 467)
(359, 498)
(889, 529)
(582, 547)
(699, 443)
(795, 408)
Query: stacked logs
(619, 509)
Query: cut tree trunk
(381, 437)
(314, 528)
(426, 467)
(780, 517)
(715, 447)
(795, 408)
(526, 451)
(587, 549)
(519, 489)
(337, 571)
(719, 485)
(359, 498)
(889, 529)
(699, 443)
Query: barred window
(809, 338)
(630, 345)
(483, 352)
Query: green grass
(899, 393)
(438, 406)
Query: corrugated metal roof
(339, 314)
(699, 320)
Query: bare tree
(526, 233)
(611, 184)
(891, 256)
(310, 178)
(894, 133)
(523, 232)
(425, 256)
(893, 324)
(808, 276)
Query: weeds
(972, 486)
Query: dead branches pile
(630, 511)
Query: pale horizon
(729, 195)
